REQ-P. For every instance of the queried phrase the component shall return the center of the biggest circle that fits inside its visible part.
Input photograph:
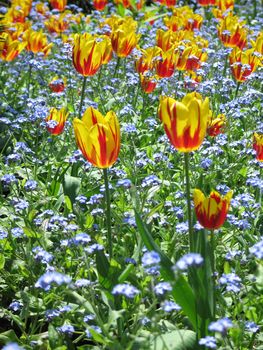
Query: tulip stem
(187, 177)
(212, 261)
(108, 210)
(237, 89)
(82, 95)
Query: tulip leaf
(182, 292)
(71, 186)
(175, 340)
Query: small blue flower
(8, 179)
(150, 258)
(30, 185)
(126, 290)
(189, 260)
(257, 250)
(12, 346)
(208, 341)
(151, 180)
(221, 325)
(15, 305)
(54, 277)
(17, 232)
(169, 306)
(125, 183)
(251, 327)
(66, 329)
(231, 281)
(83, 282)
(162, 288)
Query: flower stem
(237, 89)
(212, 261)
(82, 95)
(108, 210)
(187, 177)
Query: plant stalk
(188, 197)
(108, 210)
(82, 95)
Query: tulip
(57, 24)
(58, 4)
(36, 42)
(194, 21)
(98, 137)
(224, 5)
(206, 2)
(216, 125)
(9, 48)
(185, 122)
(231, 32)
(57, 84)
(99, 5)
(243, 63)
(164, 39)
(258, 146)
(87, 53)
(124, 40)
(258, 44)
(56, 121)
(211, 211)
(148, 83)
(147, 59)
(190, 58)
(165, 63)
(174, 23)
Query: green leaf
(2, 261)
(53, 336)
(68, 203)
(8, 336)
(108, 273)
(175, 340)
(71, 186)
(182, 292)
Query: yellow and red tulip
(206, 2)
(258, 44)
(36, 42)
(211, 211)
(190, 58)
(193, 21)
(58, 4)
(147, 59)
(98, 137)
(124, 40)
(148, 82)
(165, 63)
(258, 145)
(185, 122)
(57, 24)
(56, 121)
(216, 125)
(99, 5)
(231, 32)
(87, 55)
(9, 48)
(57, 84)
(224, 5)
(243, 63)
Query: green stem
(212, 259)
(29, 80)
(117, 66)
(108, 210)
(189, 210)
(82, 95)
(237, 89)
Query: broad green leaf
(182, 291)
(53, 336)
(68, 203)
(175, 340)
(71, 186)
(8, 336)
(2, 261)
